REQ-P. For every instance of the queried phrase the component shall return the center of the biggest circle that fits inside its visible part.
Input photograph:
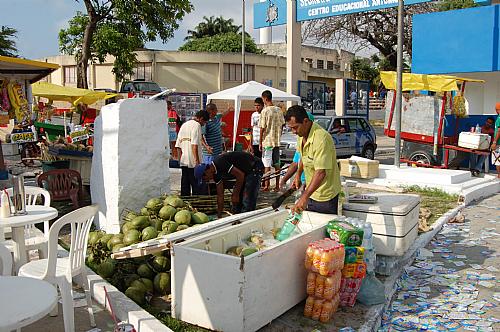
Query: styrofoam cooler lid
(393, 204)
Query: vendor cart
(430, 136)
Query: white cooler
(474, 141)
(394, 219)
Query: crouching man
(244, 168)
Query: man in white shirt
(254, 122)
(188, 145)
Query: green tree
(118, 28)
(454, 4)
(227, 42)
(7, 44)
(212, 26)
(363, 69)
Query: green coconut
(149, 233)
(169, 226)
(144, 212)
(167, 212)
(118, 246)
(131, 237)
(145, 271)
(105, 238)
(130, 215)
(157, 224)
(199, 218)
(129, 279)
(142, 283)
(174, 201)
(182, 227)
(248, 251)
(127, 227)
(154, 204)
(183, 217)
(136, 294)
(115, 239)
(106, 268)
(161, 283)
(94, 237)
(160, 263)
(140, 222)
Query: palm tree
(212, 26)
(7, 45)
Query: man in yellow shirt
(319, 162)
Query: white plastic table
(36, 213)
(25, 300)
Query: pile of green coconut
(143, 276)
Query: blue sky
(38, 22)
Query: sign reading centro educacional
(273, 12)
(314, 9)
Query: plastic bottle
(326, 262)
(317, 308)
(478, 129)
(326, 312)
(4, 205)
(308, 308)
(367, 236)
(320, 286)
(288, 227)
(316, 258)
(329, 288)
(311, 283)
(309, 256)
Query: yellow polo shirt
(319, 153)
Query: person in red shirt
(174, 124)
(477, 161)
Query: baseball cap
(198, 172)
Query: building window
(310, 61)
(320, 64)
(142, 71)
(232, 72)
(329, 65)
(69, 74)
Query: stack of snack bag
(354, 269)
(324, 260)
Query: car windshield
(147, 86)
(324, 122)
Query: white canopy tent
(249, 91)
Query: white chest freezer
(474, 140)
(227, 293)
(394, 220)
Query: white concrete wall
(482, 96)
(130, 162)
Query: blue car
(352, 135)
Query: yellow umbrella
(69, 94)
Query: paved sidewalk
(452, 285)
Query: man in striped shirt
(212, 134)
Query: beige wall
(185, 71)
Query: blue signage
(269, 13)
(314, 9)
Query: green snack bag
(344, 233)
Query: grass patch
(435, 200)
(174, 324)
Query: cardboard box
(357, 167)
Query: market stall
(69, 141)
(248, 91)
(16, 106)
(429, 138)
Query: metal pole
(243, 45)
(399, 85)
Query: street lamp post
(243, 45)
(399, 85)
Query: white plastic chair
(61, 271)
(5, 260)
(35, 239)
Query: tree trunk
(83, 62)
